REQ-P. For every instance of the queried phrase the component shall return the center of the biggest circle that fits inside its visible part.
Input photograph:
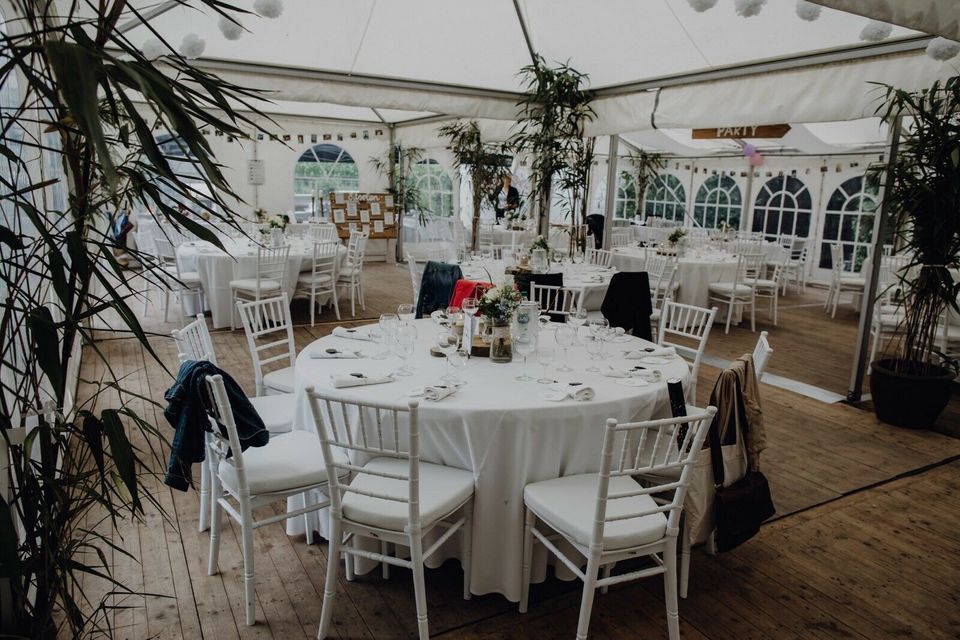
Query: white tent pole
(854, 394)
(746, 218)
(526, 33)
(611, 195)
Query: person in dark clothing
(595, 225)
(188, 405)
(505, 199)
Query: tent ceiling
(940, 17)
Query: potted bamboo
(912, 383)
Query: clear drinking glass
(595, 348)
(447, 344)
(545, 357)
(388, 324)
(378, 337)
(578, 318)
(406, 312)
(404, 348)
(524, 343)
(458, 359)
(599, 326)
(566, 336)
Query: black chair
(595, 225)
(627, 303)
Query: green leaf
(10, 239)
(93, 434)
(9, 554)
(123, 455)
(45, 343)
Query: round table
(591, 281)
(217, 267)
(694, 274)
(504, 431)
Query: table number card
(375, 208)
(366, 229)
(352, 209)
(338, 198)
(388, 217)
(388, 201)
(339, 216)
(365, 216)
(378, 226)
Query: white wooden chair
(351, 274)
(268, 281)
(170, 279)
(761, 355)
(796, 266)
(769, 288)
(682, 325)
(555, 300)
(246, 480)
(742, 291)
(194, 343)
(598, 257)
(839, 282)
(324, 233)
(269, 332)
(322, 278)
(888, 313)
(393, 497)
(661, 290)
(609, 517)
(415, 276)
(621, 238)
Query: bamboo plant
(89, 106)
(406, 193)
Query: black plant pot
(906, 400)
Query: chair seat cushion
(308, 279)
(280, 380)
(568, 505)
(189, 277)
(442, 490)
(288, 461)
(766, 283)
(852, 282)
(346, 271)
(250, 284)
(726, 288)
(276, 411)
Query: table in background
(694, 273)
(593, 282)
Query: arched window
(718, 201)
(665, 199)
(849, 220)
(434, 185)
(325, 168)
(625, 204)
(782, 208)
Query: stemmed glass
(458, 359)
(595, 347)
(379, 338)
(454, 315)
(545, 357)
(599, 326)
(524, 343)
(447, 344)
(405, 344)
(470, 308)
(578, 318)
(388, 325)
(566, 336)
(406, 312)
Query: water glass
(405, 344)
(599, 326)
(406, 312)
(447, 344)
(458, 359)
(378, 337)
(388, 324)
(545, 357)
(595, 347)
(524, 343)
(566, 336)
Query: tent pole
(746, 215)
(870, 291)
(613, 158)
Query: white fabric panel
(800, 137)
(938, 17)
(425, 135)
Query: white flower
(748, 8)
(192, 46)
(808, 11)
(702, 5)
(493, 294)
(942, 49)
(153, 49)
(230, 28)
(876, 31)
(268, 8)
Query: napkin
(438, 392)
(615, 372)
(325, 354)
(657, 351)
(351, 380)
(581, 393)
(353, 334)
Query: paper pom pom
(231, 30)
(268, 8)
(192, 46)
(807, 10)
(756, 160)
(748, 8)
(702, 5)
(749, 150)
(153, 49)
(876, 31)
(942, 49)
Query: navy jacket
(188, 404)
(436, 287)
(627, 303)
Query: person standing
(506, 198)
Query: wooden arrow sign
(730, 133)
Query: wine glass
(388, 324)
(404, 347)
(378, 337)
(599, 326)
(454, 315)
(566, 336)
(595, 348)
(458, 359)
(545, 357)
(447, 344)
(470, 307)
(524, 343)
(578, 318)
(405, 312)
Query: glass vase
(501, 349)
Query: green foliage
(646, 168)
(406, 193)
(78, 472)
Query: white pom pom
(876, 31)
(748, 8)
(268, 8)
(192, 46)
(808, 11)
(153, 49)
(942, 49)
(702, 5)
(231, 30)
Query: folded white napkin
(581, 393)
(351, 380)
(615, 372)
(353, 334)
(657, 351)
(438, 392)
(334, 354)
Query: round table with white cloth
(695, 272)
(506, 432)
(591, 281)
(217, 268)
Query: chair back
(620, 238)
(798, 249)
(654, 265)
(750, 267)
(666, 448)
(367, 430)
(194, 342)
(356, 249)
(761, 355)
(688, 323)
(272, 264)
(325, 258)
(269, 332)
(225, 447)
(598, 257)
(555, 300)
(836, 261)
(664, 286)
(415, 276)
(324, 233)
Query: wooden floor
(864, 544)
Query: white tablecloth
(695, 274)
(502, 430)
(217, 268)
(592, 281)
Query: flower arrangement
(499, 303)
(540, 242)
(279, 222)
(515, 218)
(260, 215)
(677, 235)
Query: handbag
(740, 508)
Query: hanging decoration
(749, 150)
(702, 5)
(876, 31)
(153, 49)
(748, 8)
(268, 8)
(756, 159)
(808, 11)
(230, 28)
(192, 46)
(942, 49)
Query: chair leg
(166, 305)
(467, 548)
(336, 303)
(204, 516)
(348, 562)
(586, 600)
(333, 568)
(729, 315)
(246, 527)
(385, 566)
(670, 589)
(307, 525)
(605, 572)
(684, 560)
(313, 305)
(528, 523)
(753, 314)
(216, 524)
(419, 586)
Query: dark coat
(627, 303)
(436, 287)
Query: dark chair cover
(627, 303)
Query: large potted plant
(912, 383)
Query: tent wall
(940, 17)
